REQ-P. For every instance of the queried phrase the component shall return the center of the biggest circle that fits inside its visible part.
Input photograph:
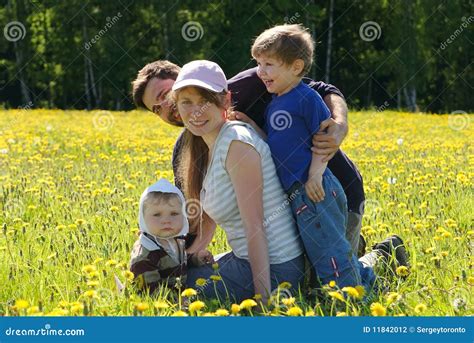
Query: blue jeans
(237, 281)
(322, 227)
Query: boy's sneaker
(393, 246)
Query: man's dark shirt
(250, 96)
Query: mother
(230, 169)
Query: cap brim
(197, 83)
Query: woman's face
(200, 116)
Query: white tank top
(220, 203)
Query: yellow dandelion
(188, 292)
(393, 297)
(336, 295)
(285, 285)
(111, 263)
(196, 306)
(92, 283)
(179, 314)
(402, 271)
(235, 309)
(294, 311)
(377, 309)
(128, 275)
(222, 312)
(310, 313)
(420, 308)
(21, 304)
(470, 280)
(77, 309)
(201, 282)
(33, 310)
(351, 291)
(114, 209)
(288, 301)
(257, 297)
(87, 269)
(141, 306)
(341, 314)
(90, 294)
(332, 283)
(361, 290)
(63, 304)
(215, 278)
(247, 304)
(93, 274)
(161, 305)
(215, 266)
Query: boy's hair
(153, 197)
(286, 43)
(160, 69)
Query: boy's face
(163, 218)
(278, 77)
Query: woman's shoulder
(237, 130)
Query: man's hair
(286, 43)
(161, 69)
(158, 197)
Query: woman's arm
(244, 166)
(203, 238)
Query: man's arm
(332, 130)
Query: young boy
(159, 255)
(284, 55)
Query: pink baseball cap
(201, 73)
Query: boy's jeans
(322, 227)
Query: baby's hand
(204, 257)
(314, 188)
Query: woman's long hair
(194, 158)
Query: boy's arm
(313, 186)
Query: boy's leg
(322, 227)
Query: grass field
(71, 181)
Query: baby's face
(164, 218)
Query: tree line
(412, 55)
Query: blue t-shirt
(291, 120)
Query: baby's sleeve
(145, 269)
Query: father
(249, 96)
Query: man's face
(155, 100)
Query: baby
(159, 256)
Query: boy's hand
(204, 257)
(236, 115)
(314, 188)
(327, 143)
